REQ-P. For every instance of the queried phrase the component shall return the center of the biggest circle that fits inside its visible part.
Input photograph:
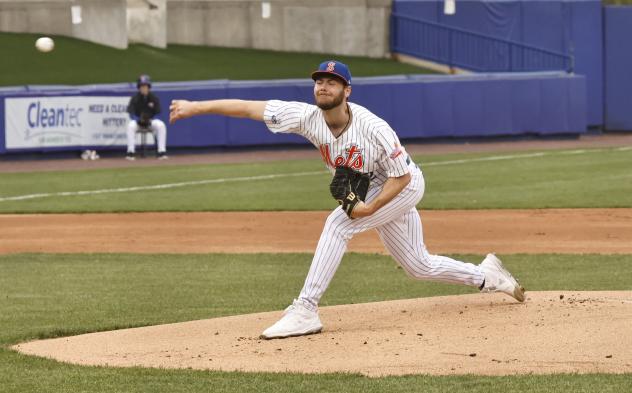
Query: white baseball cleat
(297, 320)
(498, 279)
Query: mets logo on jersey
(330, 66)
(351, 158)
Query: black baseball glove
(144, 120)
(349, 187)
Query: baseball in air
(45, 44)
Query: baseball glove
(349, 187)
(144, 120)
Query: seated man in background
(143, 107)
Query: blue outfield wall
(420, 106)
(618, 67)
(567, 26)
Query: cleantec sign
(65, 121)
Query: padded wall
(420, 106)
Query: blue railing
(465, 49)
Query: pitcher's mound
(551, 332)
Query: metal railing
(469, 50)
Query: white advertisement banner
(36, 122)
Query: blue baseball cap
(335, 68)
(143, 80)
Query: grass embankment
(76, 62)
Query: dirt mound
(551, 332)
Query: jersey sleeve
(394, 156)
(285, 116)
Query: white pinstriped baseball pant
(399, 226)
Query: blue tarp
(618, 66)
(569, 26)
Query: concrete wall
(350, 27)
(104, 22)
(147, 22)
(34, 16)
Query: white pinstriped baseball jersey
(368, 145)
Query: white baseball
(45, 44)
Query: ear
(347, 91)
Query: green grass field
(51, 295)
(55, 295)
(91, 63)
(468, 181)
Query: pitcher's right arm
(182, 109)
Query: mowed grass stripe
(566, 178)
(157, 186)
(262, 177)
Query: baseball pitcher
(375, 182)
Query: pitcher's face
(330, 92)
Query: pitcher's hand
(180, 109)
(362, 210)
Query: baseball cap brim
(317, 74)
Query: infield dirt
(600, 231)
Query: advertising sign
(36, 122)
